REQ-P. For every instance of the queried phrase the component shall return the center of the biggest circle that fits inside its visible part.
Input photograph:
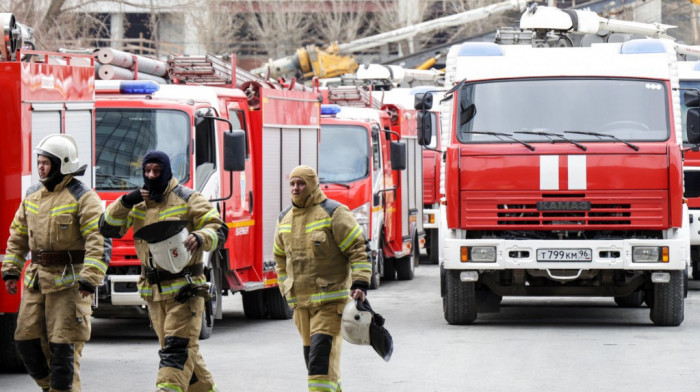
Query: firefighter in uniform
(322, 260)
(174, 307)
(58, 223)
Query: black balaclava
(55, 176)
(157, 186)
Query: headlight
(483, 254)
(649, 254)
(361, 214)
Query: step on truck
(43, 93)
(563, 177)
(276, 129)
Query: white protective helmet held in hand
(355, 324)
(166, 242)
(64, 148)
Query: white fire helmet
(166, 242)
(64, 148)
(355, 324)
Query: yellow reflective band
(31, 207)
(319, 224)
(139, 214)
(16, 260)
(172, 211)
(20, 228)
(90, 226)
(212, 234)
(206, 218)
(361, 266)
(323, 385)
(350, 238)
(292, 301)
(99, 264)
(66, 279)
(278, 251)
(321, 297)
(172, 387)
(29, 280)
(146, 291)
(64, 209)
(285, 229)
(113, 221)
(282, 277)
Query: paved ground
(532, 345)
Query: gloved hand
(131, 198)
(191, 290)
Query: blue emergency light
(138, 87)
(480, 49)
(330, 109)
(641, 46)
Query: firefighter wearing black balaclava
(322, 261)
(176, 319)
(57, 227)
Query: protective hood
(157, 186)
(55, 176)
(312, 194)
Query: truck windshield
(627, 109)
(684, 109)
(343, 153)
(125, 135)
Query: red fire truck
(563, 176)
(280, 131)
(43, 93)
(363, 164)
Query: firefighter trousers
(319, 328)
(51, 332)
(177, 325)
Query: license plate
(564, 255)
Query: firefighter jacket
(320, 251)
(179, 203)
(65, 219)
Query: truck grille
(600, 214)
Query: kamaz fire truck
(363, 164)
(43, 93)
(563, 177)
(189, 122)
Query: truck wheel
(668, 304)
(389, 268)
(696, 270)
(405, 267)
(276, 304)
(433, 248)
(9, 359)
(253, 304)
(633, 300)
(376, 277)
(460, 302)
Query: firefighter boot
(35, 361)
(62, 366)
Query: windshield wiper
(500, 134)
(549, 135)
(115, 180)
(321, 180)
(630, 145)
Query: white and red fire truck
(368, 161)
(43, 93)
(563, 176)
(188, 122)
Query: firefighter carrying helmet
(166, 241)
(64, 148)
(362, 325)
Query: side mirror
(425, 127)
(377, 199)
(692, 98)
(398, 155)
(423, 101)
(692, 125)
(234, 150)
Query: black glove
(7, 276)
(86, 286)
(191, 290)
(131, 198)
(360, 285)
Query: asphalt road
(533, 344)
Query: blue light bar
(480, 49)
(642, 46)
(138, 87)
(329, 109)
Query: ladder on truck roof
(354, 96)
(208, 70)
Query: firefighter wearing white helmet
(57, 227)
(322, 261)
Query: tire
(433, 248)
(253, 304)
(376, 274)
(276, 304)
(215, 292)
(406, 266)
(633, 300)
(389, 269)
(667, 308)
(696, 270)
(10, 361)
(460, 300)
